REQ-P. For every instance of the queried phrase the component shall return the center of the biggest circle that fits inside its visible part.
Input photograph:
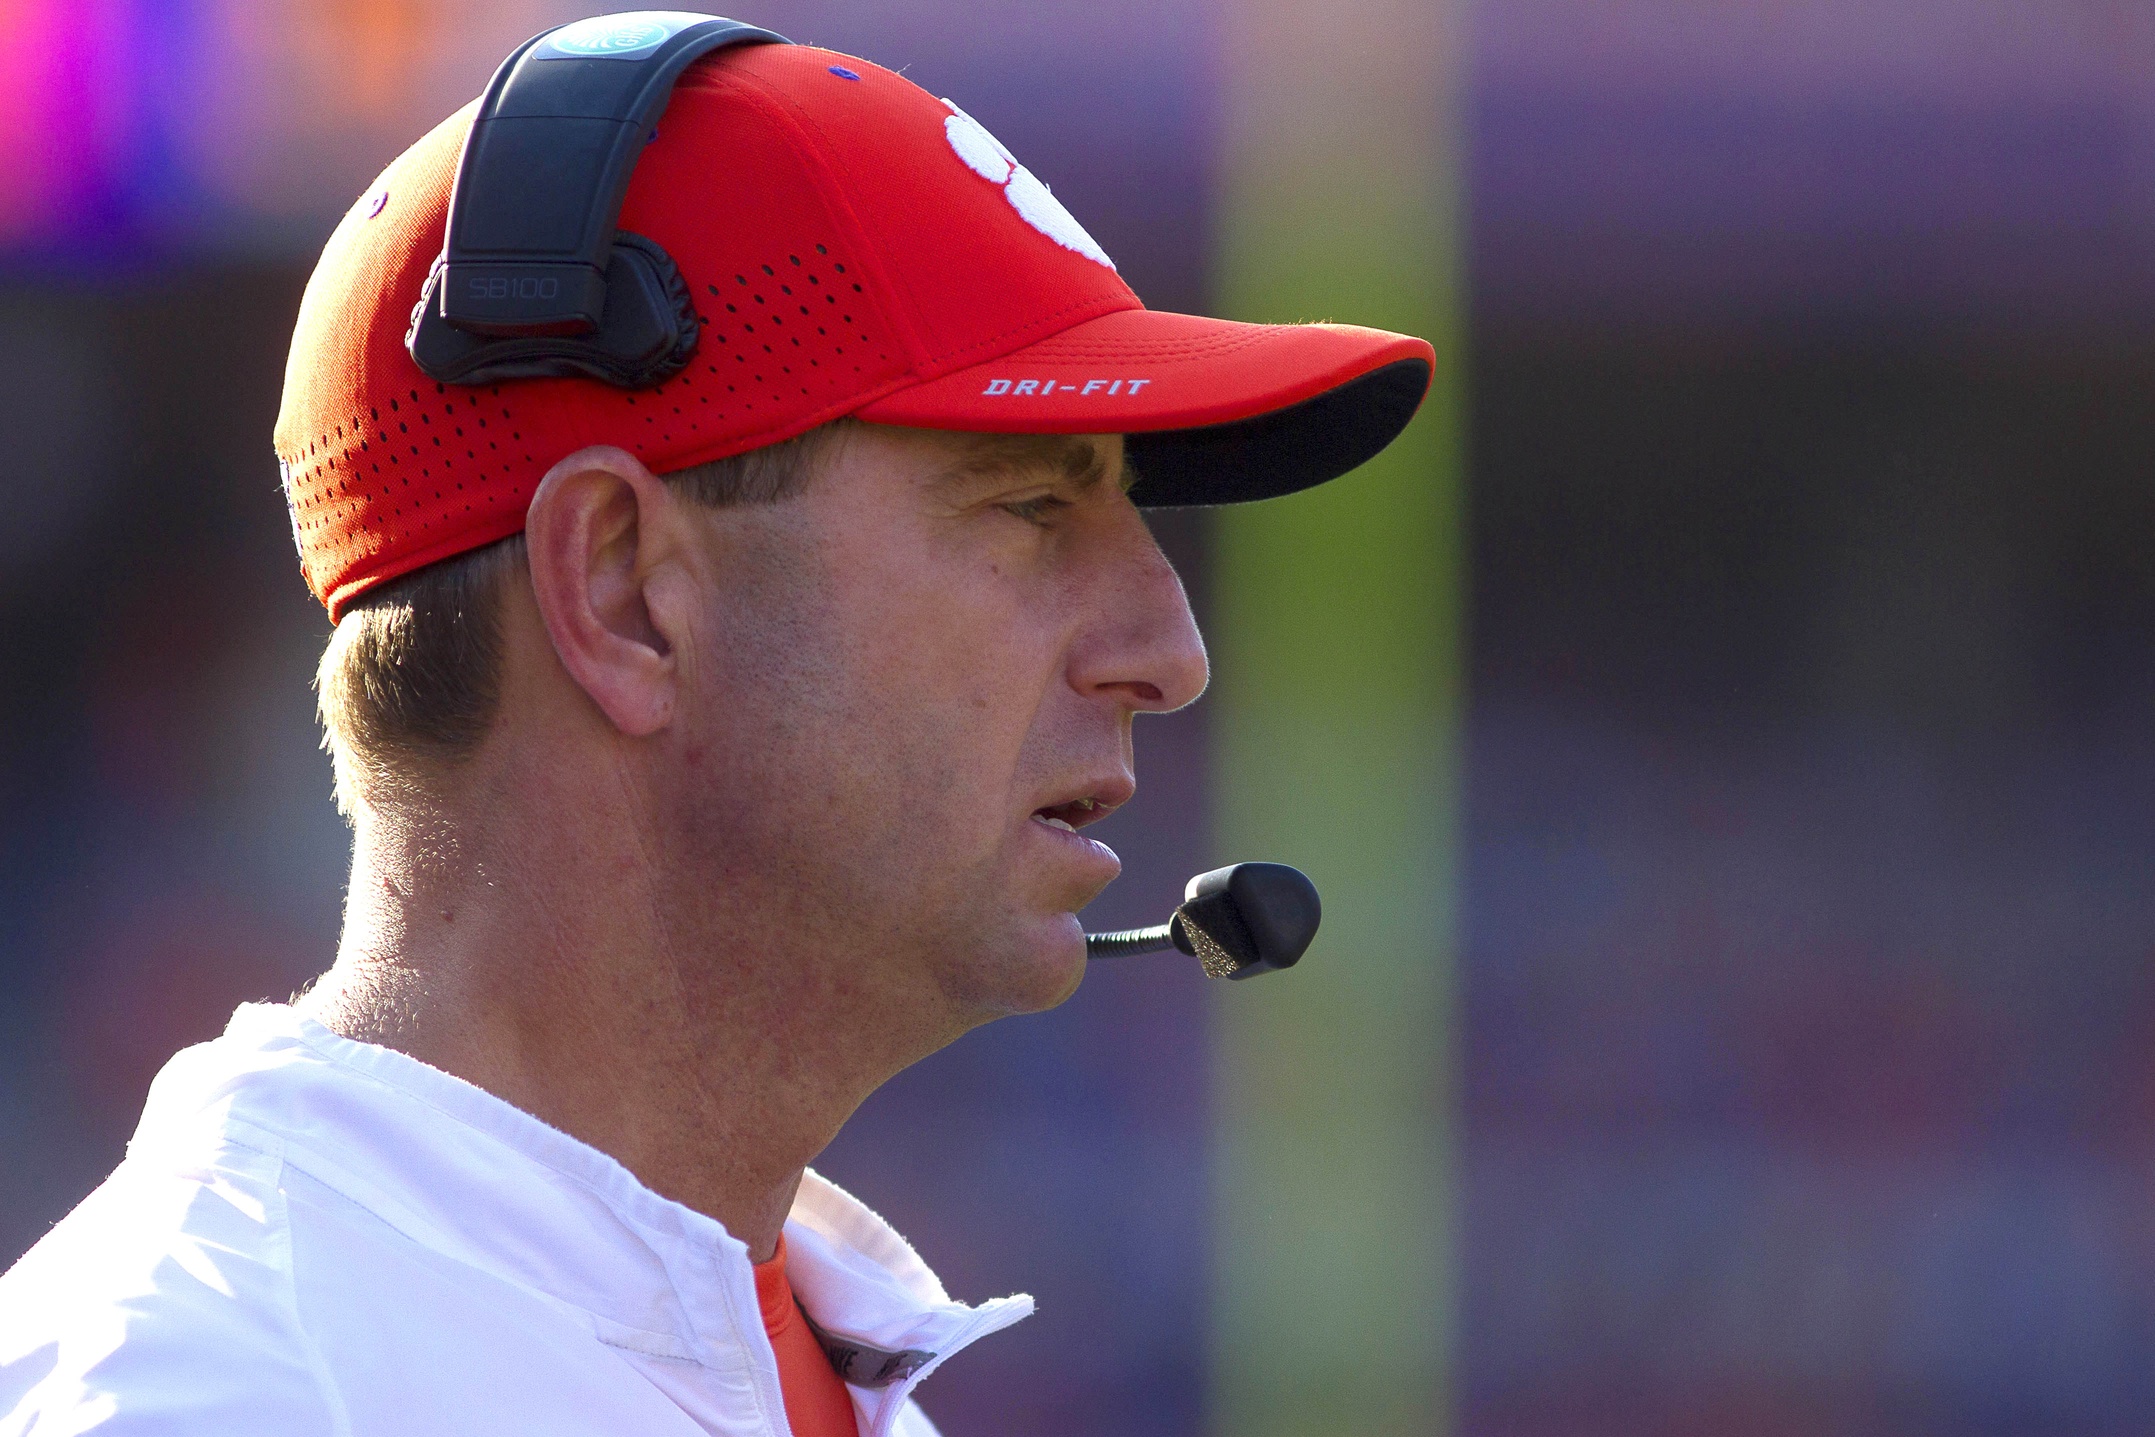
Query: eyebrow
(1068, 457)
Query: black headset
(534, 280)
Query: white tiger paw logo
(985, 156)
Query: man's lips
(1071, 816)
(1094, 803)
(1090, 853)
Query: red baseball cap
(855, 246)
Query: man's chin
(1036, 967)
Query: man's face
(913, 689)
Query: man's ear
(606, 541)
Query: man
(716, 745)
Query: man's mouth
(1073, 815)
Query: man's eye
(1040, 510)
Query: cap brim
(1216, 412)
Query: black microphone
(1238, 921)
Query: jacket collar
(460, 1171)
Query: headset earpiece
(534, 279)
(647, 330)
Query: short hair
(410, 681)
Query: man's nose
(1143, 650)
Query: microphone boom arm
(1129, 942)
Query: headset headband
(534, 279)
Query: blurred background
(1724, 731)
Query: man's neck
(714, 1076)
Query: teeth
(1055, 823)
(1087, 804)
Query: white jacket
(312, 1235)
